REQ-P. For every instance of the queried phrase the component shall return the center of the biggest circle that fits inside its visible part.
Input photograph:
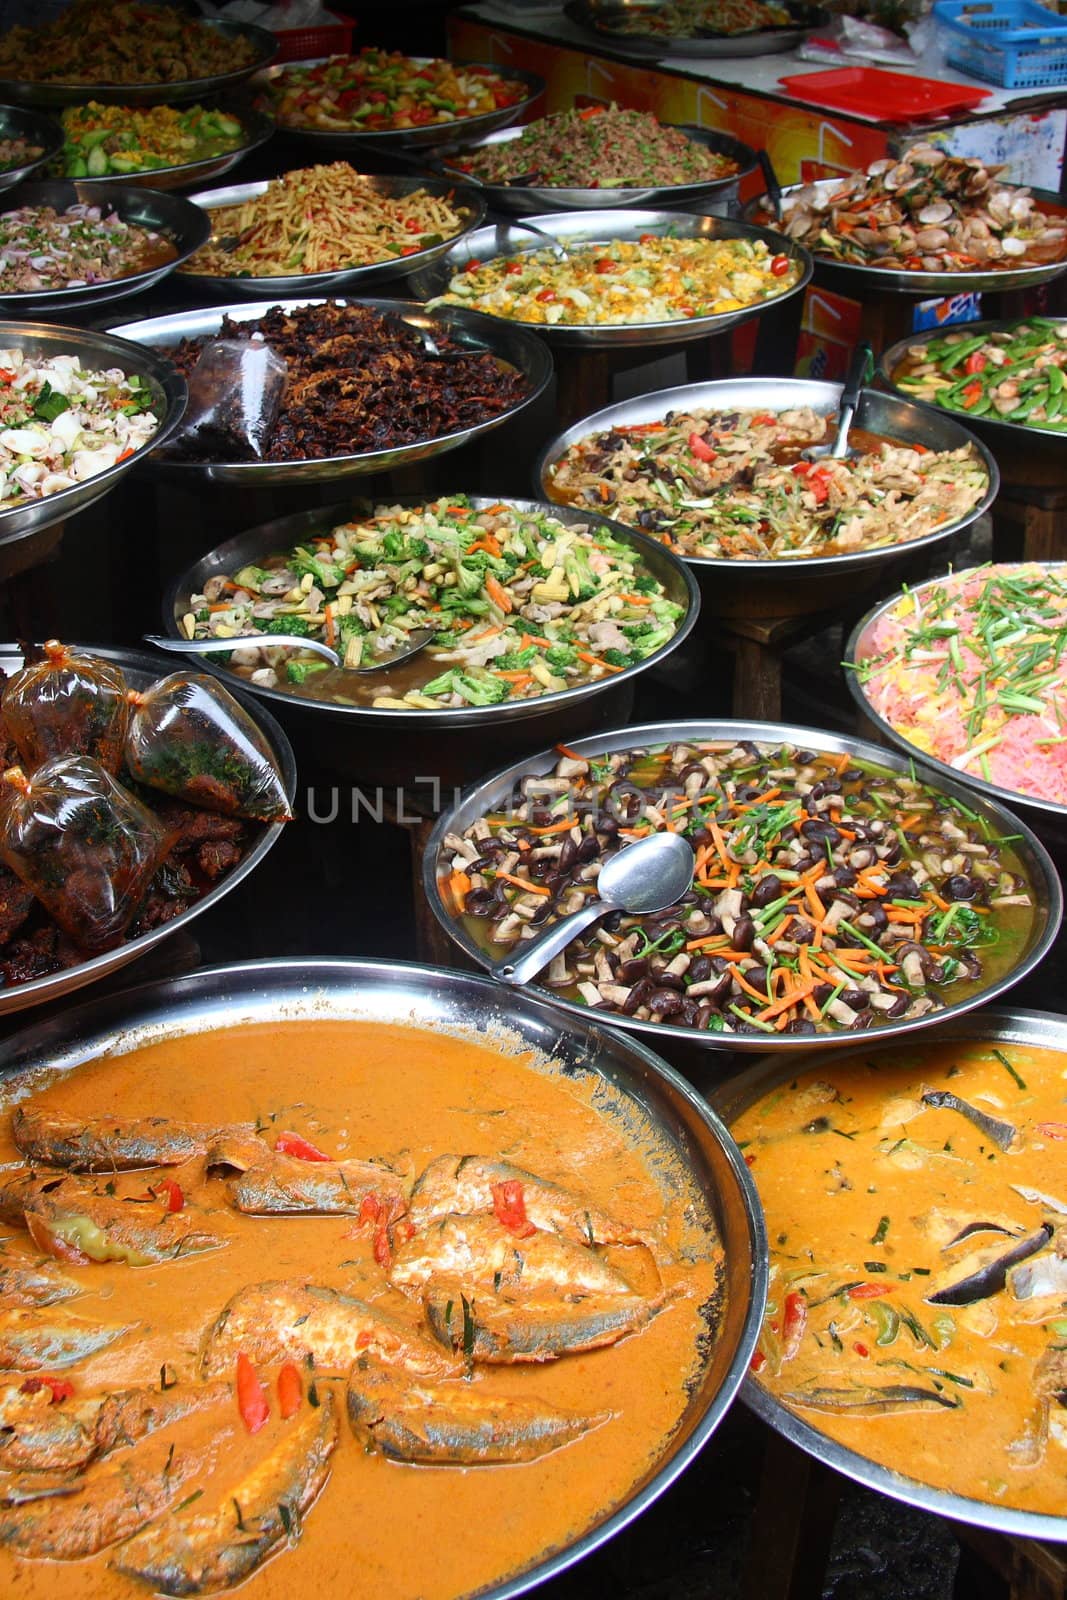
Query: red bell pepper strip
(291, 1144)
(794, 1321)
(290, 1391)
(509, 1207)
(699, 447)
(867, 1291)
(251, 1395)
(976, 362)
(173, 1192)
(58, 1388)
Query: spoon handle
(206, 647)
(858, 373)
(530, 957)
(770, 178)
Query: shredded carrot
(572, 755)
(747, 987)
(596, 661)
(769, 794)
(521, 883)
(534, 638)
(498, 594)
(330, 630)
(909, 821)
(486, 543)
(785, 1004)
(460, 885)
(554, 827)
(516, 678)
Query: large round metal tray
(97, 350)
(580, 227)
(435, 133)
(513, 345)
(184, 224)
(25, 92)
(19, 122)
(1038, 813)
(998, 1025)
(141, 671)
(802, 584)
(593, 17)
(257, 128)
(347, 278)
(681, 1126)
(523, 199)
(494, 792)
(857, 280)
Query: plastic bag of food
(235, 394)
(85, 846)
(189, 737)
(67, 704)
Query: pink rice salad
(971, 670)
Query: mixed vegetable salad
(380, 91)
(118, 141)
(1012, 373)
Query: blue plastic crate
(1015, 43)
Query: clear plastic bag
(235, 394)
(67, 704)
(85, 846)
(189, 738)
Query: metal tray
(1003, 1026)
(142, 670)
(363, 144)
(19, 122)
(513, 345)
(350, 278)
(257, 127)
(808, 580)
(183, 223)
(580, 227)
(682, 1127)
(527, 199)
(97, 350)
(856, 280)
(494, 791)
(1038, 813)
(593, 18)
(26, 93)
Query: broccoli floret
(300, 671)
(480, 689)
(298, 625)
(561, 655)
(469, 579)
(580, 575)
(516, 660)
(442, 685)
(251, 577)
(652, 641)
(453, 600)
(395, 547)
(637, 630)
(349, 627)
(204, 615)
(619, 658)
(324, 572)
(645, 584)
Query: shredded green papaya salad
(1012, 373)
(521, 604)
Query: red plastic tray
(897, 95)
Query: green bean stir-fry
(1009, 373)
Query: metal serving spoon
(774, 188)
(859, 371)
(204, 647)
(649, 875)
(560, 251)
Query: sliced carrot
(521, 883)
(785, 1004)
(498, 594)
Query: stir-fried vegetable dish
(118, 141)
(694, 19)
(916, 1205)
(596, 147)
(41, 248)
(234, 1311)
(658, 278)
(930, 212)
(735, 485)
(17, 153)
(829, 894)
(381, 91)
(62, 422)
(1012, 373)
(971, 669)
(121, 41)
(521, 605)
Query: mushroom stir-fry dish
(521, 605)
(735, 485)
(930, 212)
(917, 1212)
(1015, 373)
(41, 248)
(829, 894)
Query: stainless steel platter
(494, 792)
(601, 227)
(435, 133)
(354, 278)
(804, 583)
(256, 127)
(522, 199)
(20, 122)
(177, 219)
(182, 90)
(857, 280)
(594, 17)
(999, 1026)
(682, 1128)
(40, 341)
(142, 670)
(1038, 813)
(513, 345)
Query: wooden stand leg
(757, 693)
(793, 1526)
(1029, 1570)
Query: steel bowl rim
(992, 791)
(258, 123)
(1014, 432)
(50, 134)
(56, 984)
(701, 394)
(1044, 880)
(242, 472)
(1010, 1024)
(452, 716)
(369, 272)
(322, 975)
